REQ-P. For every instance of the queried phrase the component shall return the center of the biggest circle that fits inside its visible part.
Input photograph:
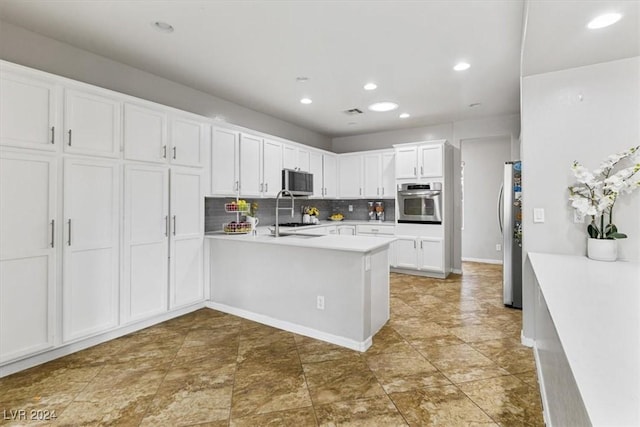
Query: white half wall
(582, 114)
(43, 53)
(484, 160)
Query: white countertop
(332, 242)
(595, 307)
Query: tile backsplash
(215, 215)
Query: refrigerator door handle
(500, 221)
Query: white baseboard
(456, 270)
(66, 349)
(484, 261)
(529, 342)
(292, 327)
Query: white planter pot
(602, 249)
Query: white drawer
(375, 229)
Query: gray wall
(36, 51)
(483, 159)
(583, 114)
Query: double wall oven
(420, 203)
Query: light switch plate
(538, 215)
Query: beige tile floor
(450, 355)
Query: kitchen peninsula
(330, 287)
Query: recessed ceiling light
(370, 86)
(604, 20)
(404, 115)
(461, 66)
(306, 101)
(302, 79)
(163, 26)
(383, 106)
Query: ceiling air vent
(353, 111)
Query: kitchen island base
(316, 290)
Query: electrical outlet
(578, 218)
(498, 247)
(350, 208)
(538, 215)
(320, 302)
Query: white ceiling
(250, 52)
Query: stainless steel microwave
(420, 203)
(297, 182)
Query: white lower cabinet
(419, 253)
(91, 267)
(27, 254)
(146, 242)
(186, 265)
(347, 230)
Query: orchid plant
(596, 192)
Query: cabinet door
(431, 161)
(350, 176)
(272, 168)
(388, 182)
(146, 241)
(90, 274)
(27, 254)
(406, 162)
(224, 162)
(187, 237)
(330, 175)
(28, 112)
(372, 175)
(145, 134)
(304, 159)
(250, 165)
(406, 252)
(289, 157)
(187, 142)
(347, 230)
(91, 124)
(431, 254)
(315, 167)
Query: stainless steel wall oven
(420, 203)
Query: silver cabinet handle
(53, 233)
(383, 191)
(378, 191)
(261, 187)
(266, 187)
(420, 244)
(174, 153)
(421, 170)
(69, 137)
(166, 225)
(236, 186)
(414, 244)
(69, 241)
(415, 171)
(164, 151)
(361, 191)
(174, 225)
(374, 230)
(53, 134)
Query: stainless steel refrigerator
(510, 220)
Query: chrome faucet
(281, 193)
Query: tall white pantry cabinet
(101, 214)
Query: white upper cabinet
(225, 162)
(145, 134)
(28, 247)
(316, 168)
(304, 159)
(271, 168)
(91, 124)
(250, 167)
(430, 161)
(388, 183)
(294, 157)
(188, 139)
(407, 162)
(350, 176)
(28, 112)
(372, 182)
(419, 160)
(330, 175)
